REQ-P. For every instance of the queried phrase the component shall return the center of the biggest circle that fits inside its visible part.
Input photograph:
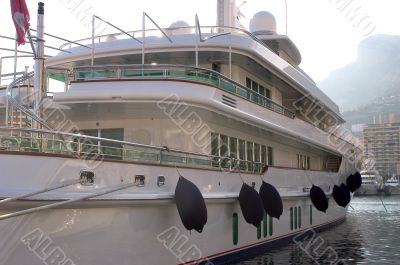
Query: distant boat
(392, 186)
(371, 183)
(392, 182)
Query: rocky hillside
(372, 78)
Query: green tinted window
(223, 150)
(291, 218)
(235, 229)
(215, 148)
(242, 154)
(257, 157)
(299, 213)
(271, 226)
(270, 156)
(265, 225)
(250, 157)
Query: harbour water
(368, 236)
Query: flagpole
(39, 61)
(286, 17)
(15, 55)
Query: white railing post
(93, 33)
(143, 35)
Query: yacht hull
(141, 225)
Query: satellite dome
(179, 24)
(179, 28)
(263, 23)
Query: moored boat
(156, 148)
(372, 183)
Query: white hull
(393, 190)
(122, 228)
(368, 190)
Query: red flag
(20, 15)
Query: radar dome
(263, 23)
(179, 28)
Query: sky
(326, 32)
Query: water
(370, 235)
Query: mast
(39, 62)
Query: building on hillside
(383, 142)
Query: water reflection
(368, 236)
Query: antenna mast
(39, 61)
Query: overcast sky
(326, 32)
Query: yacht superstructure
(137, 112)
(372, 183)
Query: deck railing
(178, 72)
(90, 147)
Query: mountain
(372, 81)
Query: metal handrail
(56, 187)
(61, 203)
(138, 32)
(16, 103)
(160, 149)
(63, 39)
(165, 68)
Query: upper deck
(233, 53)
(229, 59)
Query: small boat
(371, 183)
(392, 186)
(392, 182)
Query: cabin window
(242, 154)
(270, 156)
(254, 86)
(216, 67)
(248, 82)
(258, 88)
(310, 214)
(107, 149)
(227, 150)
(215, 149)
(259, 231)
(263, 155)
(248, 85)
(267, 93)
(257, 157)
(250, 156)
(261, 90)
(233, 152)
(303, 161)
(295, 217)
(264, 91)
(223, 150)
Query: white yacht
(143, 156)
(392, 186)
(392, 182)
(371, 183)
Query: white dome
(179, 28)
(263, 23)
(179, 24)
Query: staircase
(19, 112)
(17, 118)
